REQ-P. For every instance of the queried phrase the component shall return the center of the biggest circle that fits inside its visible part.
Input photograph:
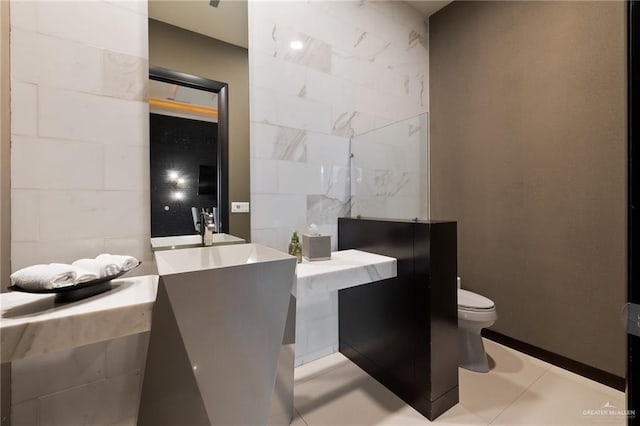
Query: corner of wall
(5, 198)
(5, 143)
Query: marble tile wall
(363, 66)
(79, 142)
(97, 384)
(316, 326)
(80, 148)
(79, 185)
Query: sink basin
(190, 241)
(222, 334)
(202, 258)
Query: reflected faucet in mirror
(206, 223)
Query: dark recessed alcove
(183, 170)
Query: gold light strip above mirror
(163, 103)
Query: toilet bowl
(475, 312)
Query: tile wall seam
(76, 42)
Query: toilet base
(471, 353)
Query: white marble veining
(362, 65)
(190, 241)
(124, 76)
(278, 143)
(290, 145)
(317, 296)
(346, 268)
(93, 350)
(324, 210)
(80, 187)
(79, 131)
(314, 53)
(33, 325)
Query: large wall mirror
(199, 114)
(188, 133)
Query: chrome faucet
(207, 226)
(206, 223)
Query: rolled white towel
(126, 263)
(101, 268)
(82, 275)
(44, 277)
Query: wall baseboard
(574, 366)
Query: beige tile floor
(519, 390)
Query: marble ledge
(33, 325)
(346, 268)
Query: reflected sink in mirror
(191, 241)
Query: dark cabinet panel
(403, 331)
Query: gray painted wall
(528, 153)
(181, 50)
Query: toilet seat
(481, 317)
(470, 301)
(475, 312)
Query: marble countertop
(31, 324)
(346, 268)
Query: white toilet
(475, 312)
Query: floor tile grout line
(300, 415)
(523, 394)
(347, 363)
(546, 371)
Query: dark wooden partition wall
(403, 331)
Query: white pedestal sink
(221, 349)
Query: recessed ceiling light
(296, 45)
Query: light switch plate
(240, 207)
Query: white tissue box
(316, 247)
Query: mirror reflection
(189, 160)
(183, 131)
(200, 44)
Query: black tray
(75, 292)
